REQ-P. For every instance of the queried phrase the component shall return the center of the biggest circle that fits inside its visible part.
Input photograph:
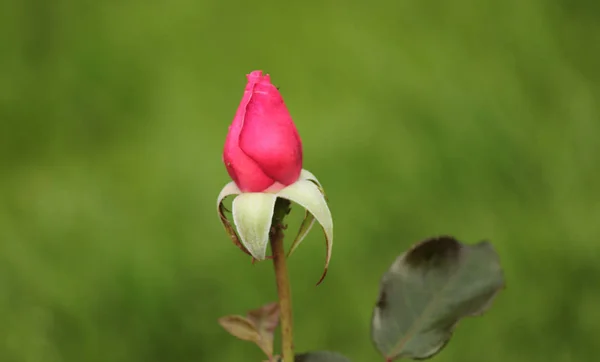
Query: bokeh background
(477, 119)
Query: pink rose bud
(263, 151)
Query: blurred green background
(478, 119)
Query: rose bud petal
(263, 150)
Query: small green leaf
(319, 356)
(428, 290)
(258, 326)
(265, 319)
(240, 327)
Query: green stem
(282, 208)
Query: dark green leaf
(428, 290)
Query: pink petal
(269, 135)
(244, 171)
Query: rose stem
(282, 208)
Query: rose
(263, 157)
(263, 150)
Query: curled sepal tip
(228, 190)
(308, 193)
